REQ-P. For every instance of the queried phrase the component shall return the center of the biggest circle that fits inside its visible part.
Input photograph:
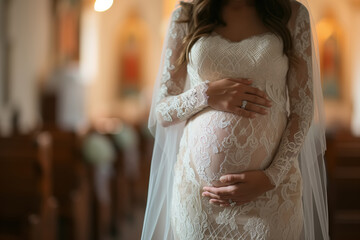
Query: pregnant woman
(236, 117)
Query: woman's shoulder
(299, 11)
(298, 8)
(178, 26)
(181, 11)
(176, 13)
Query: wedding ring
(243, 105)
(232, 203)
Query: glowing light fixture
(102, 5)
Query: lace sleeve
(300, 89)
(174, 105)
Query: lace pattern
(301, 102)
(183, 106)
(215, 143)
(174, 105)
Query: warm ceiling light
(102, 5)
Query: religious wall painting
(331, 46)
(133, 38)
(67, 30)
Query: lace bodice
(260, 58)
(215, 143)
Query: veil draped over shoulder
(311, 159)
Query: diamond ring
(232, 203)
(243, 105)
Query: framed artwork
(68, 17)
(330, 36)
(132, 53)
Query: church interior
(76, 80)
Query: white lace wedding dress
(215, 143)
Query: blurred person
(70, 90)
(127, 141)
(237, 119)
(99, 150)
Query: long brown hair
(202, 16)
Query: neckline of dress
(260, 35)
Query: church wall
(342, 113)
(103, 89)
(29, 36)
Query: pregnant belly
(221, 143)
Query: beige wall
(29, 32)
(103, 85)
(346, 112)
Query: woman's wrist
(209, 90)
(202, 94)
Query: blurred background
(76, 80)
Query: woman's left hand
(238, 188)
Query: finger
(255, 108)
(222, 192)
(264, 98)
(245, 81)
(233, 178)
(218, 202)
(225, 205)
(255, 91)
(256, 99)
(242, 112)
(210, 195)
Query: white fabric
(71, 109)
(214, 143)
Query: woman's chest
(215, 57)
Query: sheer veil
(311, 158)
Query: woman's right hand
(228, 95)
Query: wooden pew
(71, 186)
(343, 159)
(128, 191)
(27, 208)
